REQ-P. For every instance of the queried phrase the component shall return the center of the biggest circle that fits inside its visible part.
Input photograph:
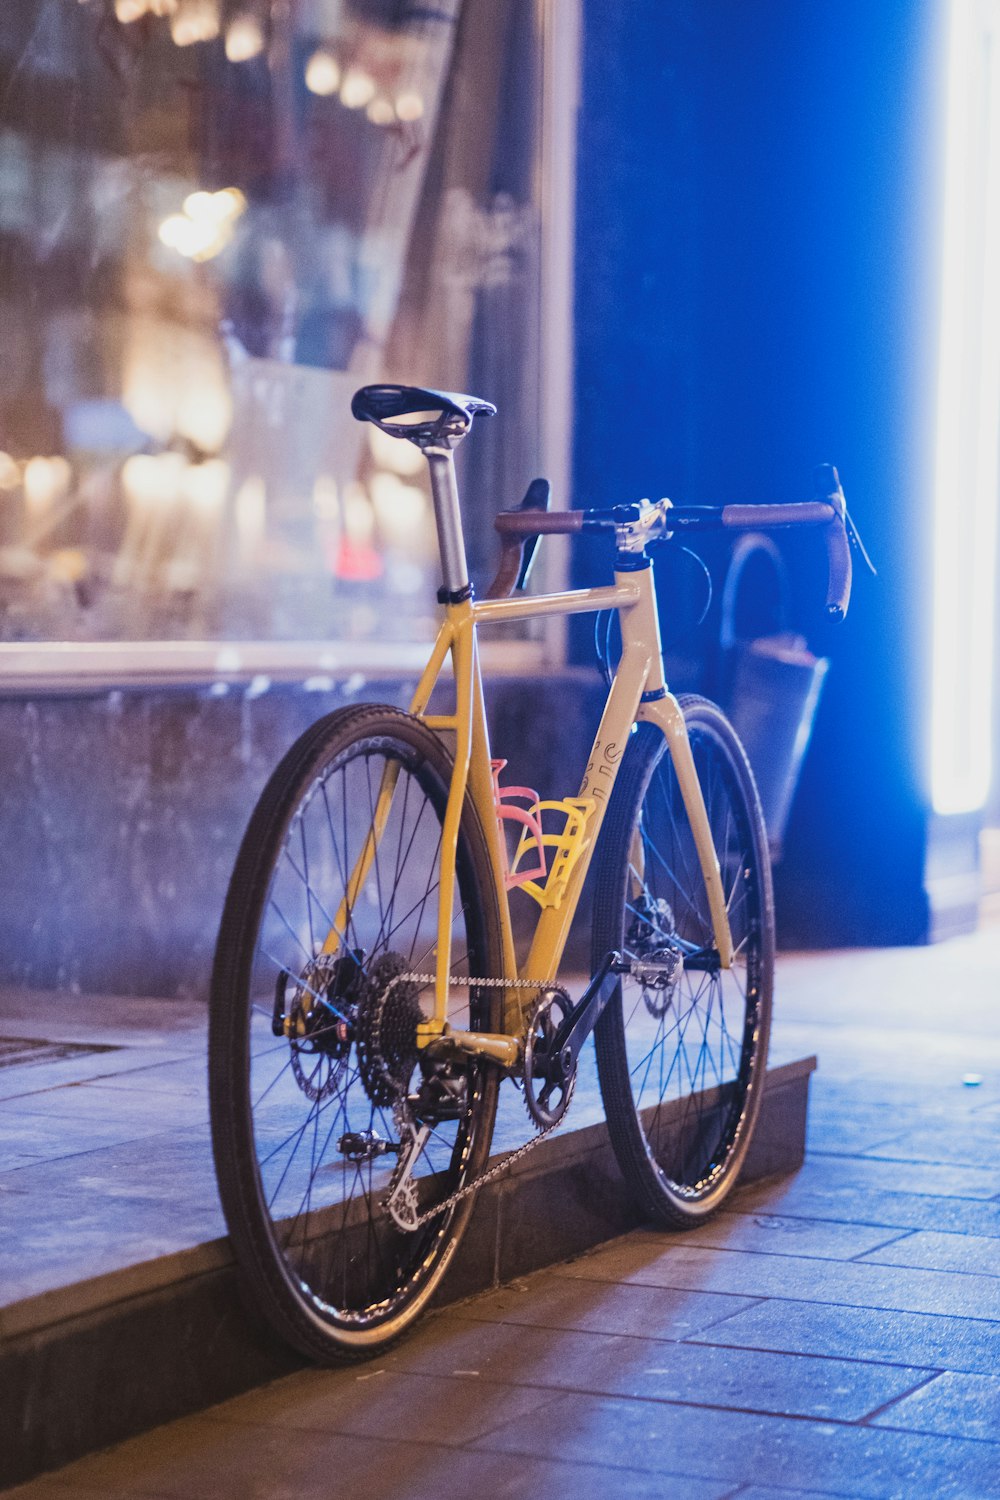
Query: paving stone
(936, 1050)
(845, 1134)
(801, 1195)
(204, 1460)
(551, 1300)
(373, 1401)
(777, 1234)
(927, 1179)
(51, 1488)
(965, 1143)
(41, 1261)
(924, 1339)
(29, 1138)
(126, 1204)
(941, 1252)
(661, 1371)
(186, 1078)
(851, 1283)
(964, 1405)
(149, 1110)
(801, 1456)
(892, 1096)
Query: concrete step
(100, 1358)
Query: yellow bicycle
(367, 999)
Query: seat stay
(470, 774)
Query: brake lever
(830, 489)
(854, 537)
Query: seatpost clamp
(455, 596)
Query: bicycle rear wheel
(682, 1056)
(311, 1046)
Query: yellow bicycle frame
(638, 694)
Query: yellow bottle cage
(544, 878)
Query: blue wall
(755, 296)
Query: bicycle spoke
(354, 883)
(684, 1052)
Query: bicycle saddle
(449, 415)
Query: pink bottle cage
(545, 880)
(527, 818)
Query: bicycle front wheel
(312, 1038)
(682, 1048)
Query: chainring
(388, 1016)
(546, 1096)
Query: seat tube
(448, 518)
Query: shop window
(217, 219)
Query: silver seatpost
(448, 517)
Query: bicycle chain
(401, 1113)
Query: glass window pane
(217, 219)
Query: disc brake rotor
(316, 1013)
(649, 938)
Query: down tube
(598, 782)
(668, 716)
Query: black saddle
(448, 414)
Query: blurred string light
(46, 480)
(325, 77)
(133, 10)
(152, 480)
(190, 21)
(357, 89)
(409, 106)
(244, 39)
(323, 73)
(204, 227)
(195, 21)
(966, 476)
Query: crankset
(549, 1075)
(555, 1036)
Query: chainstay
(521, 1151)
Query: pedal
(659, 973)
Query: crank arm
(585, 1014)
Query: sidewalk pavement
(834, 1333)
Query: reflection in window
(217, 219)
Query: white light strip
(966, 479)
